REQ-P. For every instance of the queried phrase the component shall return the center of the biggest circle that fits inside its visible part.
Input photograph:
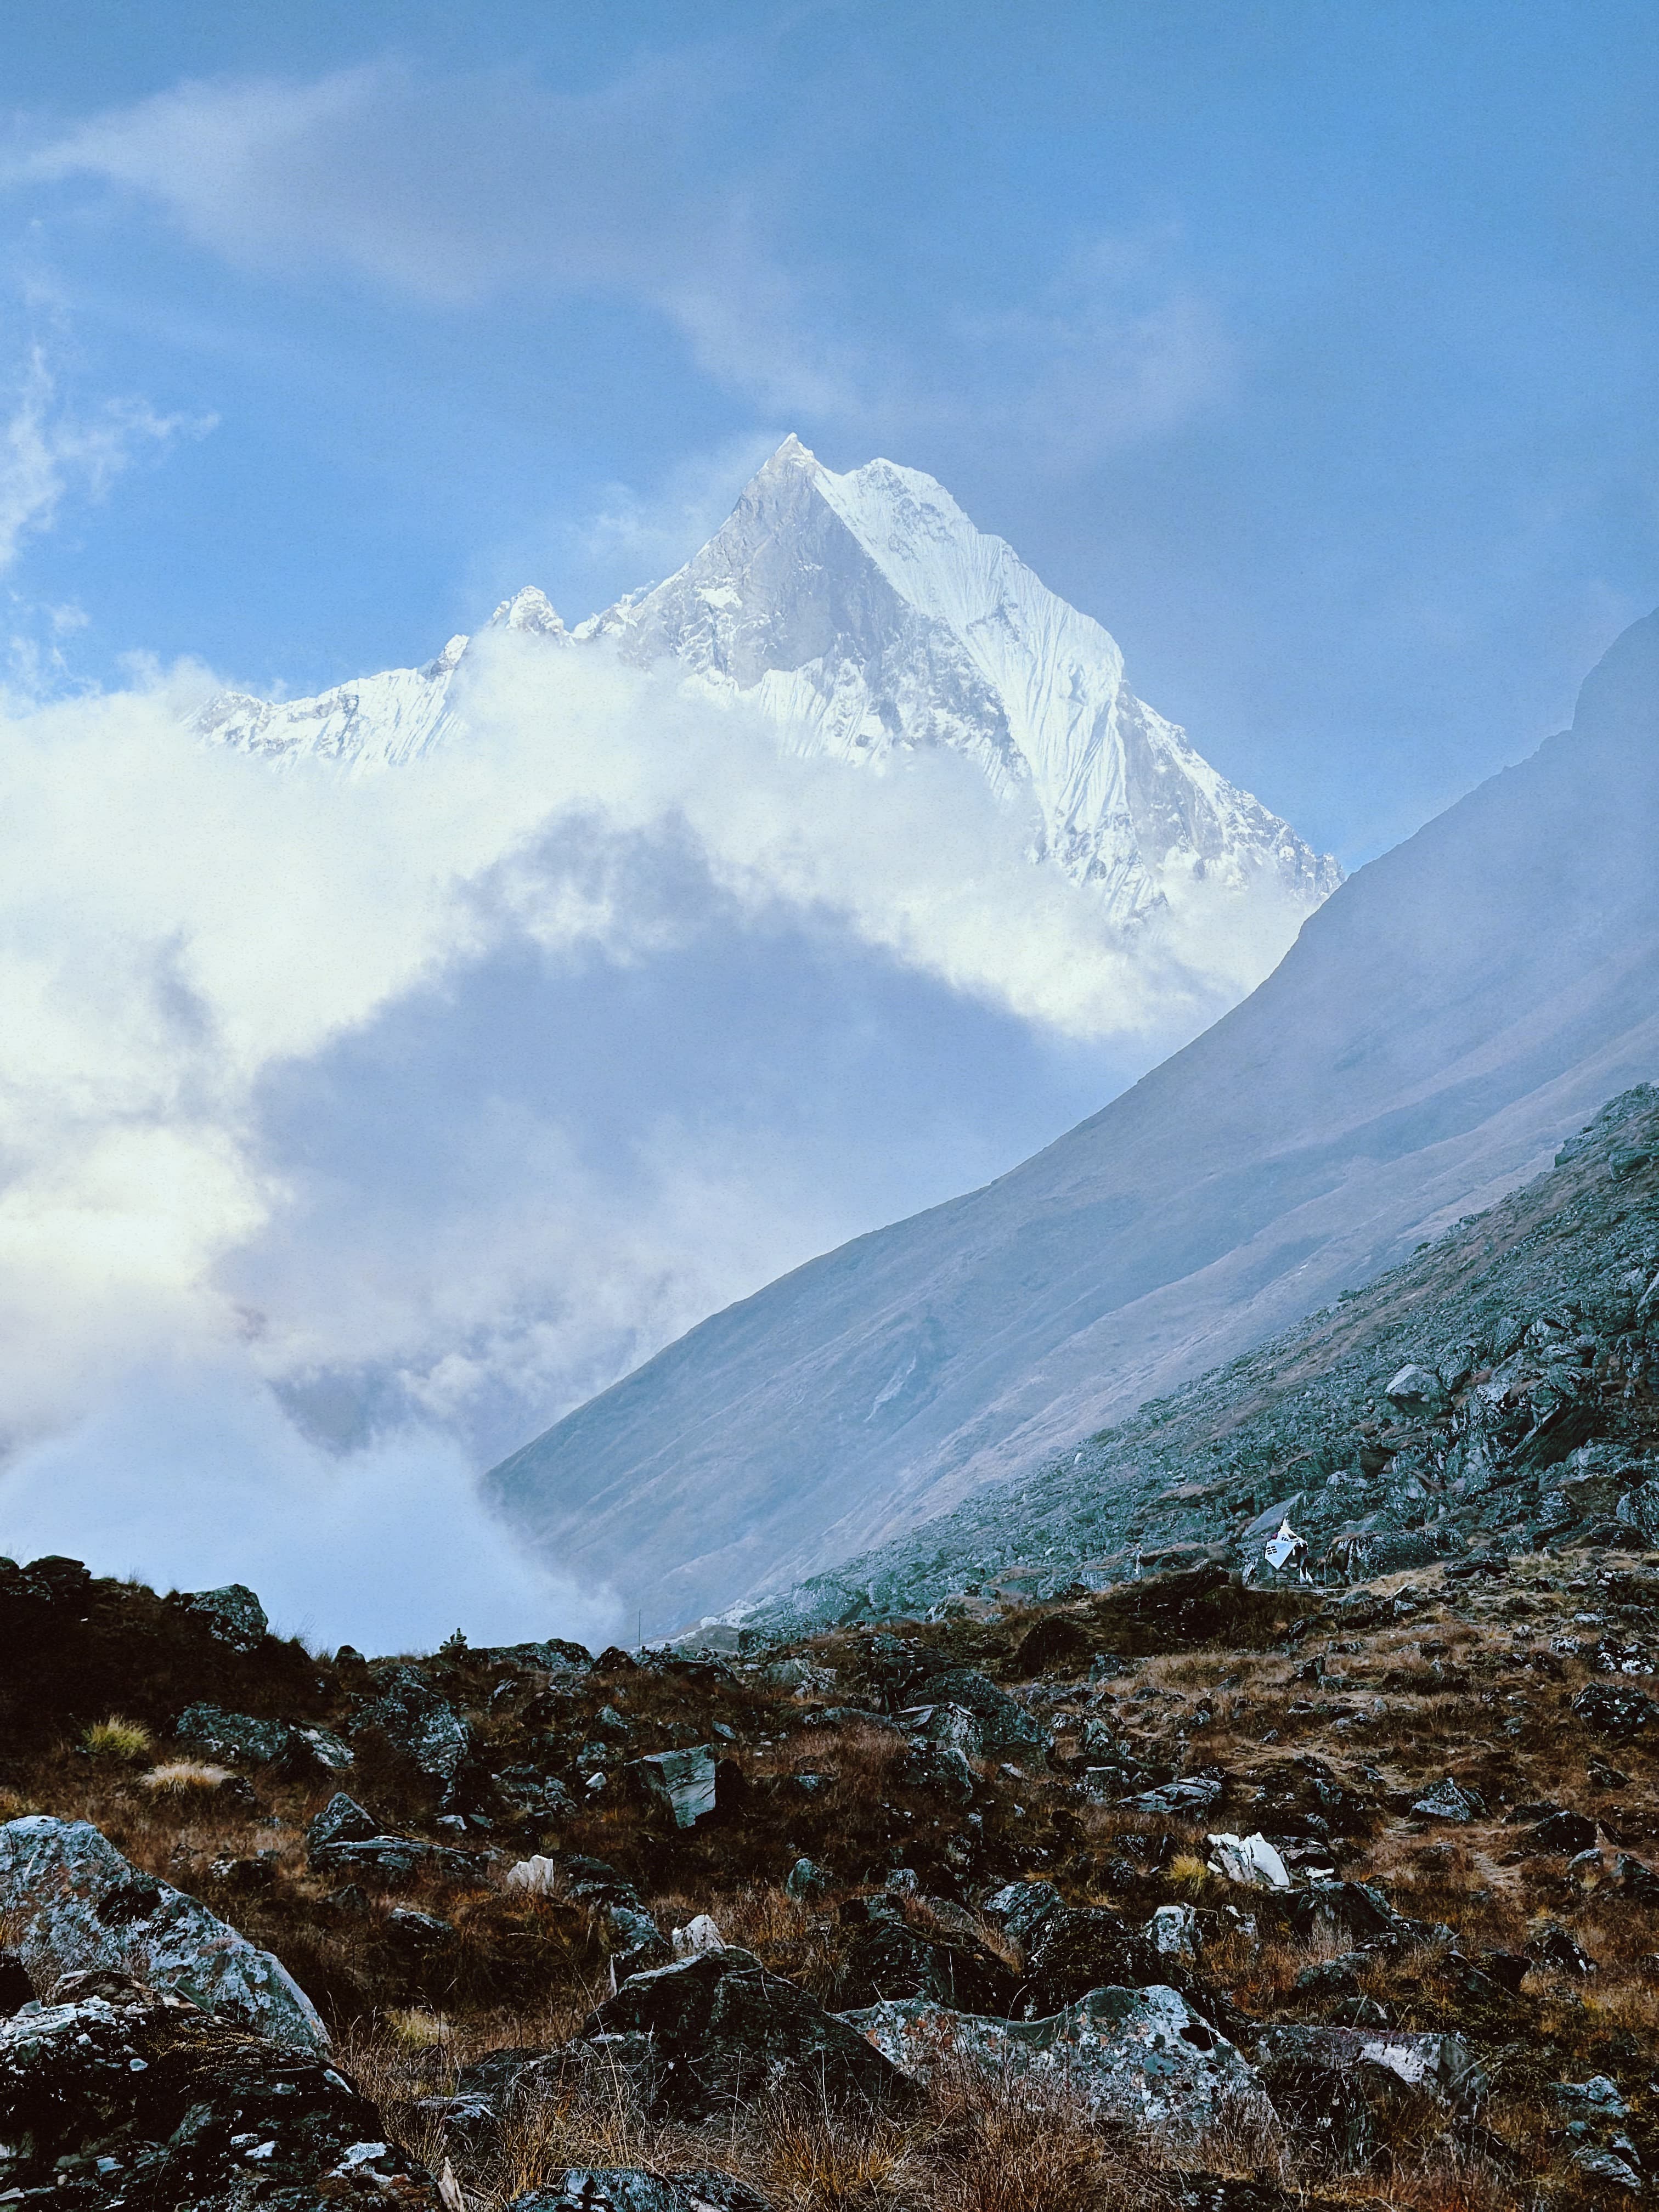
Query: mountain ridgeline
(1442, 1023)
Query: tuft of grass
(1186, 1872)
(416, 2029)
(815, 2160)
(186, 1778)
(118, 1738)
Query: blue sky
(1311, 347)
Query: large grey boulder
(1006, 1729)
(73, 1904)
(953, 1727)
(341, 1821)
(1416, 1390)
(1143, 2058)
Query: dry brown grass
(185, 1778)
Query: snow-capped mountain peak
(866, 615)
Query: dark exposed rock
(1441, 2066)
(423, 1726)
(1021, 1907)
(118, 2094)
(1613, 1711)
(1446, 1801)
(233, 1615)
(1416, 1391)
(1563, 1832)
(537, 1796)
(633, 1939)
(1636, 1881)
(59, 1580)
(1006, 1729)
(713, 2031)
(1192, 1796)
(1611, 2169)
(953, 1727)
(248, 1874)
(395, 1859)
(296, 1753)
(551, 1655)
(417, 1932)
(1058, 1640)
(15, 1987)
(1140, 2057)
(1079, 1947)
(232, 1736)
(888, 1958)
(1352, 1913)
(1554, 1948)
(1330, 2111)
(341, 1821)
(938, 1771)
(807, 1880)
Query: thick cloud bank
(354, 1126)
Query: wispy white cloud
(458, 191)
(50, 453)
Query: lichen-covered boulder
(118, 2094)
(240, 1738)
(1614, 1710)
(73, 1904)
(1006, 1729)
(1142, 2058)
(1338, 2087)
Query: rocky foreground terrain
(1302, 1850)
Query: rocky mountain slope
(1442, 1022)
(1495, 1388)
(865, 614)
(1181, 1893)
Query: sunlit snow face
(436, 1098)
